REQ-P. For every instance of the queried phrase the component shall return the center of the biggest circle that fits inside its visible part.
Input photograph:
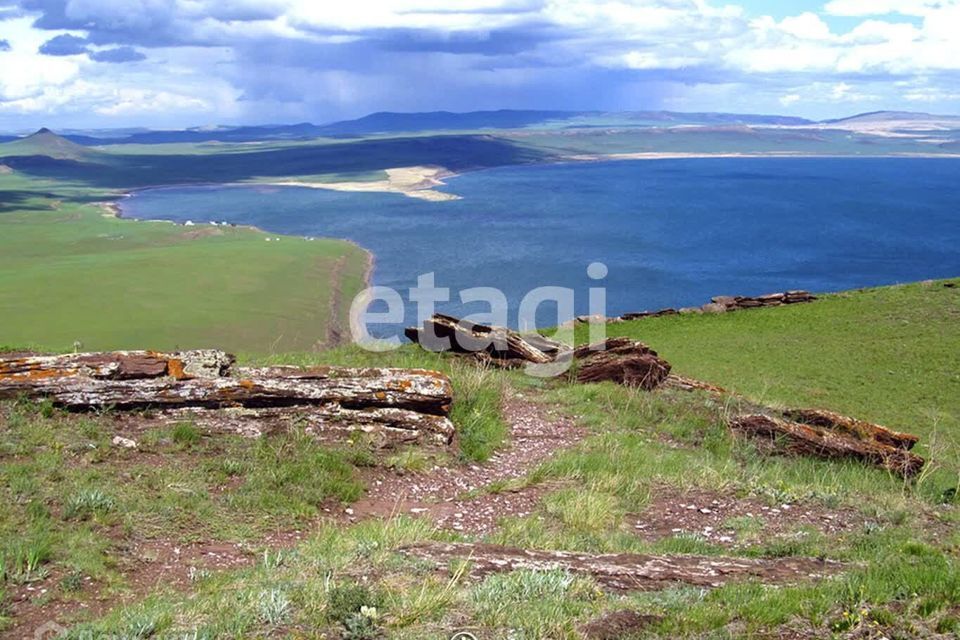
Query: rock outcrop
(831, 442)
(623, 361)
(626, 571)
(390, 406)
(499, 346)
(722, 304)
(620, 360)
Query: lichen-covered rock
(622, 361)
(498, 346)
(808, 440)
(624, 571)
(114, 365)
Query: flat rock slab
(856, 428)
(377, 427)
(626, 572)
(114, 365)
(384, 407)
(828, 443)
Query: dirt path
(535, 435)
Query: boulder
(622, 361)
(808, 440)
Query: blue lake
(671, 232)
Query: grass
(902, 573)
(112, 284)
(887, 355)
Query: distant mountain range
(386, 123)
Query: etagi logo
(427, 294)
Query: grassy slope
(69, 273)
(890, 354)
(902, 581)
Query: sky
(180, 63)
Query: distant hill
(506, 119)
(897, 119)
(45, 143)
(388, 122)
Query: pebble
(126, 443)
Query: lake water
(671, 232)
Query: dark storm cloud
(117, 55)
(64, 45)
(68, 45)
(151, 23)
(508, 41)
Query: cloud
(144, 101)
(790, 99)
(64, 45)
(268, 60)
(860, 8)
(70, 45)
(117, 54)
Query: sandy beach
(413, 182)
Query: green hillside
(274, 510)
(46, 143)
(70, 272)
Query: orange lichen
(175, 369)
(39, 374)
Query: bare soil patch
(728, 520)
(440, 493)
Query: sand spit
(413, 182)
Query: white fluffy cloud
(25, 73)
(858, 8)
(264, 60)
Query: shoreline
(681, 155)
(413, 182)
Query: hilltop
(45, 142)
(896, 121)
(192, 529)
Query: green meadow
(886, 354)
(890, 354)
(72, 274)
